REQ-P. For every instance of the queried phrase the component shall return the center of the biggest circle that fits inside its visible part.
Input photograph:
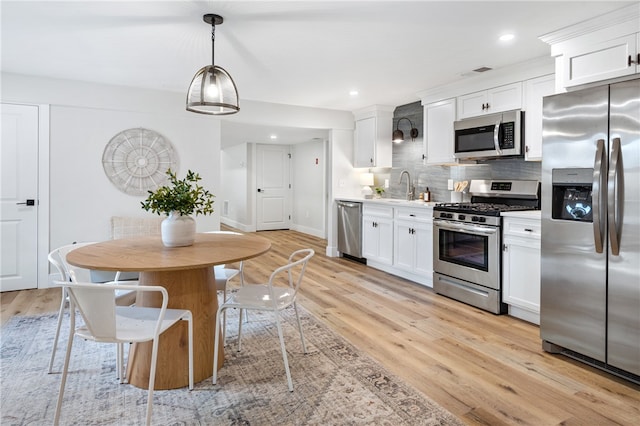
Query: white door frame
(43, 195)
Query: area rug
(334, 384)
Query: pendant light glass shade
(212, 91)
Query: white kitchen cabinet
(372, 138)
(497, 99)
(413, 242)
(590, 62)
(438, 130)
(377, 234)
(521, 267)
(602, 48)
(535, 90)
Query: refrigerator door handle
(597, 194)
(615, 189)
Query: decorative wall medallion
(136, 160)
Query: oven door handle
(454, 226)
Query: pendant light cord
(213, 42)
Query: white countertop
(526, 214)
(391, 202)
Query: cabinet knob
(505, 247)
(631, 61)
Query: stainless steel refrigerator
(590, 269)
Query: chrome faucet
(411, 190)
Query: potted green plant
(179, 200)
(379, 192)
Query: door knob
(29, 202)
(260, 190)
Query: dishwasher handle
(348, 204)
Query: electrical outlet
(450, 184)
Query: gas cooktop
(489, 209)
(492, 197)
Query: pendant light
(212, 90)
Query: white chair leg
(152, 380)
(120, 362)
(224, 317)
(216, 345)
(63, 302)
(240, 330)
(284, 352)
(190, 328)
(304, 346)
(65, 368)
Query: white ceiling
(308, 53)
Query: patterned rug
(334, 384)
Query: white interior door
(273, 187)
(19, 197)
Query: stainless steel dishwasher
(350, 230)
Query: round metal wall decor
(136, 160)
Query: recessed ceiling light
(273, 137)
(507, 37)
(353, 93)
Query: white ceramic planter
(178, 230)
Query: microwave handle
(496, 136)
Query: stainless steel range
(467, 241)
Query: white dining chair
(104, 321)
(58, 258)
(274, 296)
(223, 275)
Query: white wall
(83, 119)
(308, 207)
(342, 181)
(82, 197)
(234, 169)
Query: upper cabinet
(535, 90)
(599, 49)
(601, 61)
(438, 131)
(498, 99)
(372, 137)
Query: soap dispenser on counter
(427, 195)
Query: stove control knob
(474, 219)
(449, 215)
(461, 217)
(482, 219)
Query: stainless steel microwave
(490, 136)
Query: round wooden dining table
(188, 275)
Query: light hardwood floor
(486, 369)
